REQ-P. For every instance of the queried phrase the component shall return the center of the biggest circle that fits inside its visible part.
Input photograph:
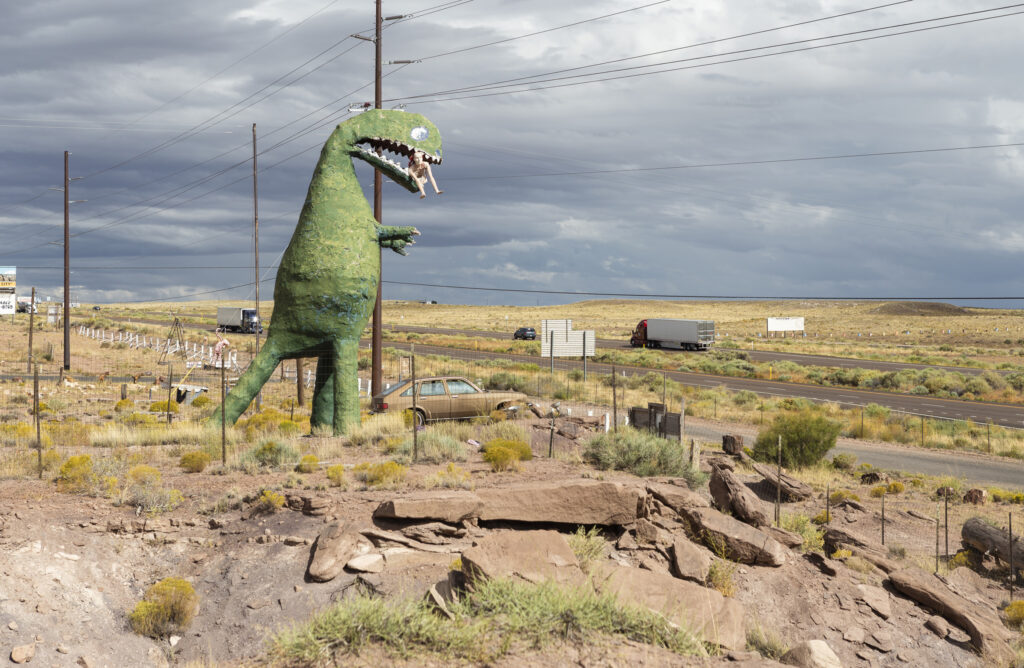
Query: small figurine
(419, 170)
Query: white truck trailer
(677, 334)
(237, 319)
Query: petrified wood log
(792, 489)
(983, 537)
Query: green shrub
(806, 437)
(642, 454)
(454, 477)
(308, 464)
(521, 448)
(161, 407)
(840, 495)
(201, 401)
(720, 576)
(387, 475)
(270, 454)
(169, 606)
(844, 462)
(588, 546)
(336, 474)
(896, 487)
(124, 405)
(76, 475)
(194, 462)
(803, 525)
(879, 491)
(501, 459)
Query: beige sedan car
(442, 398)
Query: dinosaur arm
(396, 238)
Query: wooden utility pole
(256, 251)
(377, 337)
(67, 266)
(31, 326)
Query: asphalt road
(975, 469)
(1006, 415)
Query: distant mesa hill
(920, 308)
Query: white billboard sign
(567, 343)
(7, 290)
(785, 324)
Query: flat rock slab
(812, 654)
(741, 542)
(604, 503)
(689, 562)
(366, 563)
(704, 611)
(877, 599)
(676, 497)
(533, 556)
(987, 633)
(450, 507)
(335, 546)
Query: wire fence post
(551, 350)
(862, 422)
(828, 503)
(615, 403)
(1013, 573)
(31, 325)
(778, 487)
(170, 384)
(584, 356)
(415, 412)
(35, 410)
(223, 420)
(664, 388)
(936, 537)
(883, 518)
(945, 524)
(989, 428)
(300, 387)
(922, 434)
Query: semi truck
(237, 319)
(677, 334)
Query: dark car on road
(525, 333)
(444, 398)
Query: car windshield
(397, 386)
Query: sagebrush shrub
(1015, 614)
(879, 491)
(194, 462)
(642, 454)
(844, 462)
(308, 464)
(169, 606)
(336, 475)
(162, 407)
(896, 487)
(521, 448)
(501, 459)
(201, 401)
(384, 474)
(76, 475)
(269, 502)
(806, 437)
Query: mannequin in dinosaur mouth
(419, 169)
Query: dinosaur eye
(420, 133)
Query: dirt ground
(73, 567)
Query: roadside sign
(8, 286)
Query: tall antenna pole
(256, 248)
(376, 373)
(67, 267)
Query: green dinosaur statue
(327, 280)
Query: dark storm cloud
(94, 78)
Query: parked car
(443, 398)
(95, 308)
(525, 333)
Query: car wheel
(421, 419)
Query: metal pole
(300, 387)
(31, 325)
(922, 432)
(170, 383)
(377, 335)
(35, 410)
(584, 356)
(936, 538)
(862, 422)
(989, 427)
(551, 351)
(551, 436)
(664, 389)
(946, 525)
(67, 267)
(1013, 574)
(256, 252)
(883, 519)
(828, 503)
(223, 422)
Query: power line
(456, 93)
(709, 297)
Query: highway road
(974, 468)
(1006, 415)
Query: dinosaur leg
(346, 386)
(250, 383)
(323, 392)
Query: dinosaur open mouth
(383, 149)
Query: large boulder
(987, 633)
(704, 611)
(452, 507)
(583, 502)
(689, 562)
(334, 547)
(739, 541)
(676, 497)
(732, 496)
(533, 556)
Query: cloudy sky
(636, 147)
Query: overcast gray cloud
(156, 103)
